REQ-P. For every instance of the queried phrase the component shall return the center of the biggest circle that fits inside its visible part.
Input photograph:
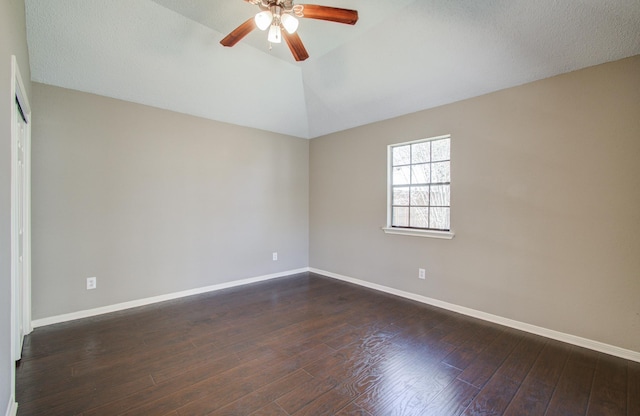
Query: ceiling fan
(279, 16)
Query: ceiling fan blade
(238, 33)
(332, 14)
(295, 44)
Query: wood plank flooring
(310, 345)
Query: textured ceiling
(402, 56)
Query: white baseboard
(548, 333)
(12, 407)
(155, 299)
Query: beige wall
(545, 205)
(13, 41)
(153, 202)
(545, 198)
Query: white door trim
(18, 93)
(26, 109)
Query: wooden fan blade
(332, 14)
(295, 45)
(238, 33)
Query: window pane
(401, 175)
(420, 217)
(421, 152)
(400, 196)
(419, 195)
(440, 172)
(400, 217)
(420, 173)
(440, 150)
(440, 218)
(441, 195)
(420, 184)
(401, 155)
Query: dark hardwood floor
(310, 345)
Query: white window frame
(416, 232)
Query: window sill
(445, 235)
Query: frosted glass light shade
(289, 22)
(275, 34)
(264, 19)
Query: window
(420, 188)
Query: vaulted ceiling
(402, 56)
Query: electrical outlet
(275, 256)
(422, 274)
(91, 283)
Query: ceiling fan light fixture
(279, 15)
(289, 22)
(264, 19)
(275, 34)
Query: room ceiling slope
(445, 51)
(402, 56)
(138, 51)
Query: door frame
(18, 93)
